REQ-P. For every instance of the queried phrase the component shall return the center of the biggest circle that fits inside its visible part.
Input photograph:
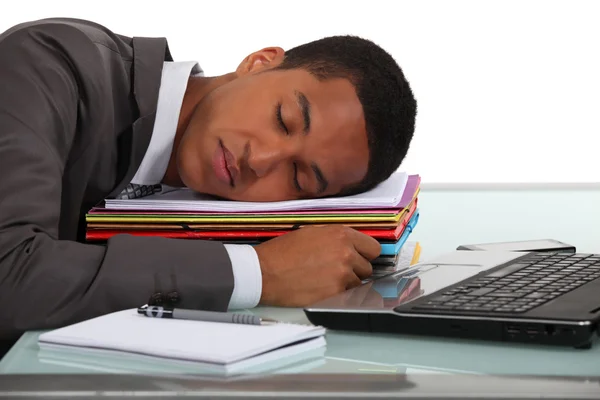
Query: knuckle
(342, 272)
(346, 255)
(340, 232)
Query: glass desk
(448, 219)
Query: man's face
(275, 135)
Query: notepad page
(387, 194)
(208, 342)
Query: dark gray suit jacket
(77, 108)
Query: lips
(231, 165)
(224, 165)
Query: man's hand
(312, 263)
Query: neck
(197, 89)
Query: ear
(264, 59)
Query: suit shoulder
(70, 29)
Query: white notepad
(299, 358)
(231, 346)
(387, 194)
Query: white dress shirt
(175, 75)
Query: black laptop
(542, 298)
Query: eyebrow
(305, 108)
(323, 183)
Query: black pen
(201, 315)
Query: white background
(508, 91)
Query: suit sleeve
(47, 282)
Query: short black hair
(388, 103)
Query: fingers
(353, 281)
(365, 245)
(361, 266)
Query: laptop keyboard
(519, 287)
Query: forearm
(51, 283)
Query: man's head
(333, 116)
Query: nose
(266, 157)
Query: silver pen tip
(268, 321)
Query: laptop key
(487, 307)
(535, 295)
(443, 299)
(504, 294)
(482, 291)
(507, 270)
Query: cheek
(239, 107)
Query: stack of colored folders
(388, 213)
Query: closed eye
(280, 119)
(296, 183)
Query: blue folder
(390, 249)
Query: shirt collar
(174, 81)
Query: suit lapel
(149, 54)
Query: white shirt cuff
(247, 276)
